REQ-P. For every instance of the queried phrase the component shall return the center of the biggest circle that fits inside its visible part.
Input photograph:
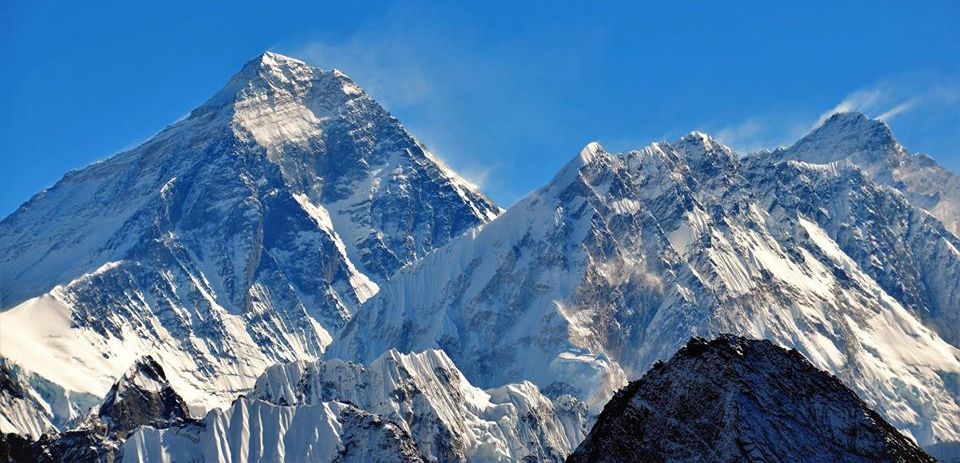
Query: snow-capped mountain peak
(847, 134)
(870, 145)
(246, 234)
(592, 153)
(142, 396)
(696, 145)
(703, 141)
(423, 394)
(268, 70)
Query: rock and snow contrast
(623, 257)
(870, 145)
(290, 229)
(323, 411)
(32, 406)
(141, 397)
(21, 410)
(256, 431)
(400, 408)
(242, 236)
(733, 399)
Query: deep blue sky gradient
(505, 93)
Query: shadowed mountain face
(733, 399)
(244, 235)
(142, 397)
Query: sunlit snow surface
(308, 411)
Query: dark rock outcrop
(734, 399)
(142, 397)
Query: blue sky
(506, 93)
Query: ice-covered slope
(733, 399)
(449, 418)
(22, 411)
(243, 235)
(621, 258)
(915, 276)
(869, 144)
(260, 432)
(31, 405)
(419, 401)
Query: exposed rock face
(733, 399)
(925, 286)
(88, 443)
(21, 411)
(290, 211)
(142, 397)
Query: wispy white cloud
(476, 175)
(742, 134)
(895, 97)
(886, 100)
(860, 100)
(900, 108)
(762, 132)
(386, 68)
(405, 72)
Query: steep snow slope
(22, 411)
(450, 419)
(917, 278)
(869, 144)
(31, 405)
(733, 399)
(621, 258)
(420, 397)
(256, 431)
(243, 235)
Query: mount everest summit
(289, 251)
(245, 235)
